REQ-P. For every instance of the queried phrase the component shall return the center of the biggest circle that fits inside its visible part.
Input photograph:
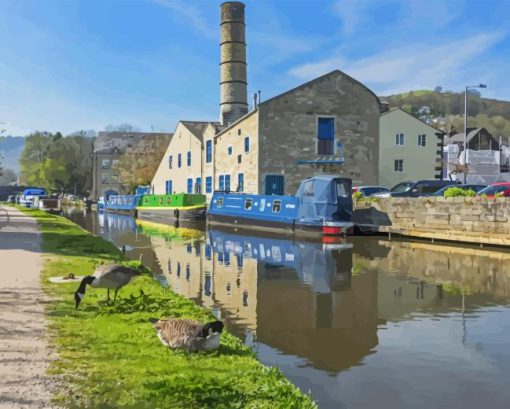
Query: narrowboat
(29, 196)
(48, 204)
(172, 208)
(122, 204)
(321, 206)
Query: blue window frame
(247, 144)
(227, 183)
(190, 185)
(208, 184)
(240, 182)
(189, 158)
(208, 251)
(179, 160)
(168, 187)
(326, 136)
(208, 284)
(221, 182)
(198, 185)
(170, 160)
(208, 152)
(227, 258)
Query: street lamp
(465, 127)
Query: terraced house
(327, 125)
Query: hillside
(445, 110)
(10, 149)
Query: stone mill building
(328, 125)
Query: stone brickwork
(289, 127)
(471, 219)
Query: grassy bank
(110, 357)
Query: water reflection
(367, 324)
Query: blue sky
(84, 64)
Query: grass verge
(110, 357)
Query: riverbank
(110, 356)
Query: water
(366, 323)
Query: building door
(168, 187)
(274, 185)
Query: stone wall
(471, 219)
(288, 131)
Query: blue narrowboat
(321, 206)
(30, 195)
(122, 204)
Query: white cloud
(193, 16)
(413, 66)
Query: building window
(224, 183)
(399, 165)
(240, 182)
(239, 158)
(208, 184)
(247, 144)
(422, 140)
(198, 185)
(106, 178)
(170, 160)
(179, 160)
(230, 150)
(326, 136)
(190, 185)
(400, 139)
(115, 179)
(168, 187)
(105, 164)
(189, 158)
(115, 163)
(208, 152)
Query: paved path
(24, 353)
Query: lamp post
(465, 127)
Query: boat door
(274, 185)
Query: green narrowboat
(172, 208)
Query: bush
(459, 192)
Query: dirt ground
(24, 351)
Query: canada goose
(109, 276)
(188, 334)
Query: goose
(188, 334)
(109, 276)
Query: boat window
(277, 205)
(146, 200)
(161, 200)
(168, 200)
(219, 202)
(247, 204)
(262, 205)
(308, 188)
(342, 188)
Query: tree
(56, 162)
(7, 176)
(139, 164)
(122, 128)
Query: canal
(361, 324)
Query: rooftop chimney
(233, 83)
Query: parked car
(369, 190)
(502, 187)
(441, 191)
(415, 188)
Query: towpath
(24, 351)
